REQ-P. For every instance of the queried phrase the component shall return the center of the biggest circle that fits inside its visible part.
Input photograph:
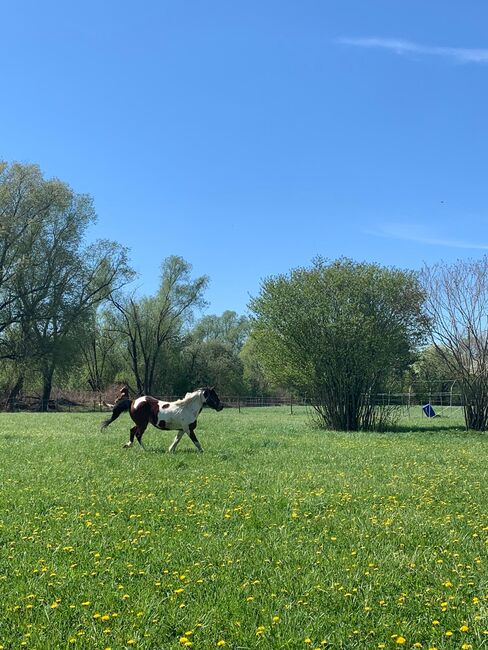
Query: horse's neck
(193, 400)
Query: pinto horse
(180, 415)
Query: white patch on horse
(139, 400)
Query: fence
(83, 401)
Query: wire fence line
(83, 401)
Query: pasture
(278, 536)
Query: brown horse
(180, 415)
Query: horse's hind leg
(177, 439)
(139, 431)
(132, 434)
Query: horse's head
(212, 399)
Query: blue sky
(250, 136)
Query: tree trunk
(14, 392)
(47, 384)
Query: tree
(338, 331)
(229, 328)
(214, 363)
(211, 352)
(254, 376)
(430, 376)
(59, 280)
(150, 324)
(100, 351)
(457, 306)
(26, 201)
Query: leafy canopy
(338, 330)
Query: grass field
(278, 536)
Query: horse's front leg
(131, 441)
(175, 442)
(193, 438)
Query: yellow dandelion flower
(400, 640)
(54, 605)
(86, 603)
(466, 646)
(307, 640)
(449, 633)
(220, 643)
(464, 628)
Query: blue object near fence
(428, 410)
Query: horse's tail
(120, 407)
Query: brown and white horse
(180, 415)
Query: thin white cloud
(401, 47)
(408, 232)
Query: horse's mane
(188, 397)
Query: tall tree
(26, 201)
(150, 324)
(60, 279)
(338, 331)
(457, 306)
(228, 328)
(100, 351)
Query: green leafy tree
(254, 376)
(101, 353)
(60, 279)
(229, 329)
(214, 363)
(152, 324)
(27, 202)
(430, 375)
(338, 331)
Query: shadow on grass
(437, 428)
(164, 450)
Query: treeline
(68, 315)
(338, 332)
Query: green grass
(278, 536)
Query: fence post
(291, 404)
(239, 403)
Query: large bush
(338, 332)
